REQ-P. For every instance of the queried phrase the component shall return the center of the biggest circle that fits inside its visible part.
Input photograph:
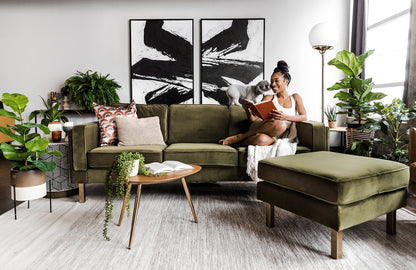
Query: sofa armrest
(82, 139)
(313, 135)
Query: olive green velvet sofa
(191, 133)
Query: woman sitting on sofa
(289, 109)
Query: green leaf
(339, 85)
(12, 153)
(344, 96)
(55, 153)
(37, 144)
(347, 62)
(361, 58)
(17, 102)
(10, 114)
(44, 165)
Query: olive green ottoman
(336, 190)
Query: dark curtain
(409, 94)
(359, 28)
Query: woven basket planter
(362, 135)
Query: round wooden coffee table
(140, 180)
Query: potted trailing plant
(126, 164)
(359, 97)
(331, 114)
(52, 118)
(86, 88)
(393, 123)
(29, 171)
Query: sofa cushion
(106, 116)
(140, 131)
(197, 123)
(238, 121)
(212, 154)
(333, 177)
(103, 157)
(161, 110)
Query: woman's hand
(245, 104)
(278, 115)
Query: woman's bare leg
(258, 139)
(272, 128)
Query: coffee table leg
(188, 195)
(124, 205)
(136, 209)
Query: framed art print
(232, 52)
(161, 60)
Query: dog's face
(262, 86)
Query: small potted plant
(86, 88)
(28, 176)
(331, 114)
(53, 118)
(126, 164)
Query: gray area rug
(231, 234)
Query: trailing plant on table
(120, 171)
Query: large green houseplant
(30, 146)
(86, 88)
(359, 97)
(51, 113)
(392, 119)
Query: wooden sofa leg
(269, 215)
(336, 244)
(391, 222)
(81, 193)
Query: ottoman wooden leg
(81, 193)
(269, 215)
(391, 222)
(336, 244)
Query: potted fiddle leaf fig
(359, 97)
(89, 87)
(29, 171)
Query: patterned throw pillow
(107, 121)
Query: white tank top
(287, 111)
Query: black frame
(222, 99)
(168, 97)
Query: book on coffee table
(167, 166)
(262, 109)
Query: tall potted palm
(28, 176)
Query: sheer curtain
(409, 94)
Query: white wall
(44, 42)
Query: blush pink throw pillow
(107, 121)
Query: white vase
(135, 170)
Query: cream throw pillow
(139, 131)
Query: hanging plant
(120, 171)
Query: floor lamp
(322, 38)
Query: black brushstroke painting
(168, 74)
(223, 56)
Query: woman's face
(278, 82)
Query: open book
(167, 166)
(262, 109)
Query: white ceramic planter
(135, 170)
(29, 185)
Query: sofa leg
(336, 244)
(269, 215)
(81, 193)
(391, 222)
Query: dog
(236, 93)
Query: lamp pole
(322, 49)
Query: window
(388, 34)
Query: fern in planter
(86, 88)
(120, 171)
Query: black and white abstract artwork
(232, 52)
(162, 61)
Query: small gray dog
(236, 93)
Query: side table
(343, 132)
(59, 177)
